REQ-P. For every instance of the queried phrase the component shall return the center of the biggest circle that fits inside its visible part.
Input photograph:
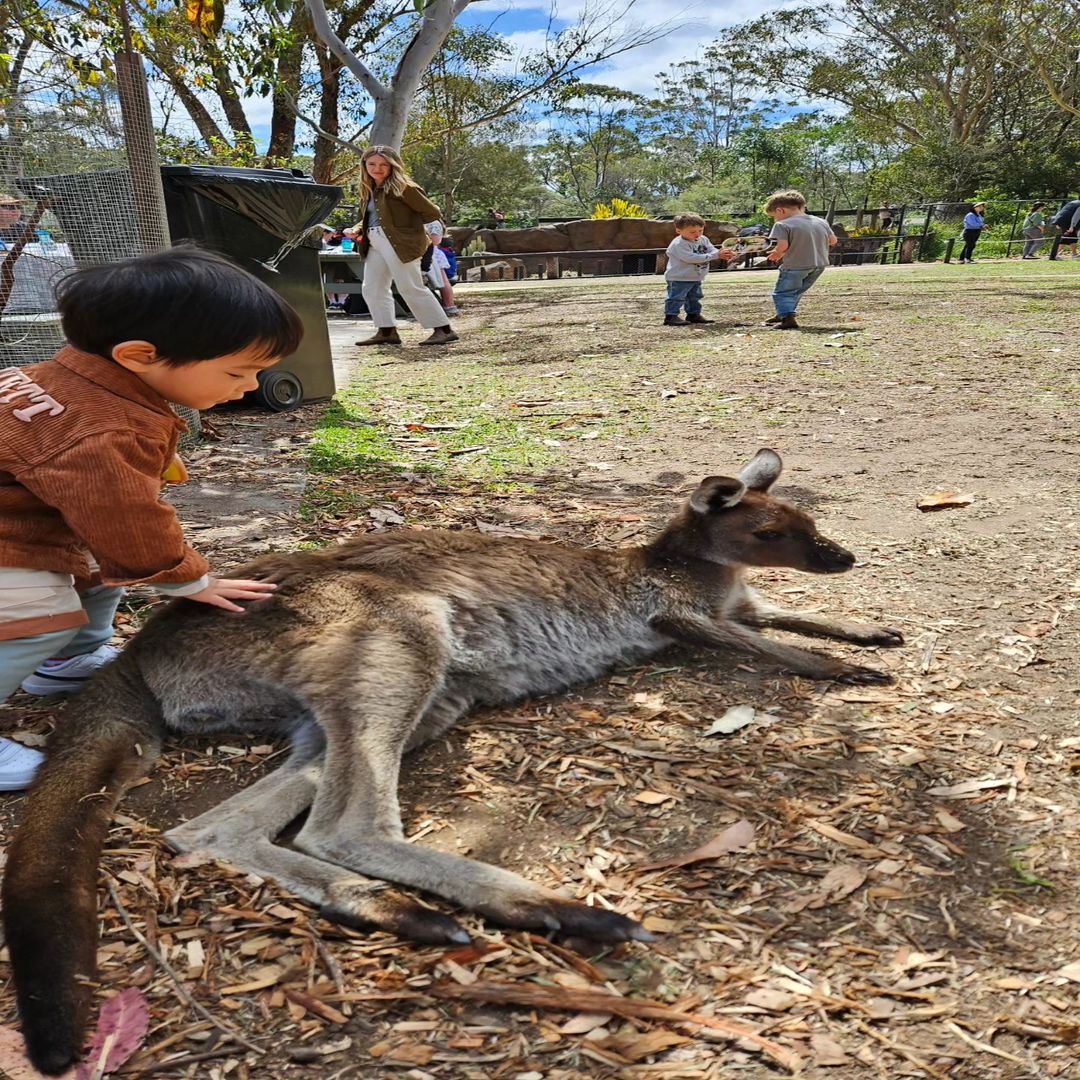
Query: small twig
(186, 1059)
(594, 1001)
(333, 968)
(900, 1050)
(168, 969)
(984, 1047)
(928, 653)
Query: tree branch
(321, 22)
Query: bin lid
(284, 202)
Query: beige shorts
(36, 602)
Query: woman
(973, 226)
(395, 212)
(1034, 230)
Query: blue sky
(692, 25)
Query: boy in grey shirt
(688, 258)
(802, 249)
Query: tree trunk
(229, 98)
(326, 150)
(174, 74)
(283, 118)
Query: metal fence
(80, 185)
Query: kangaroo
(367, 650)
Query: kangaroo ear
(763, 471)
(717, 493)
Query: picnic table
(333, 262)
(37, 270)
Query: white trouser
(383, 266)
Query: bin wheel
(281, 391)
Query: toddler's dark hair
(191, 305)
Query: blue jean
(680, 293)
(790, 286)
(20, 657)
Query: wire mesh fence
(80, 185)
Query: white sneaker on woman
(67, 676)
(18, 765)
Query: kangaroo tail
(109, 736)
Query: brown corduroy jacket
(83, 448)
(403, 220)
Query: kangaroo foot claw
(864, 677)
(575, 920)
(405, 919)
(886, 637)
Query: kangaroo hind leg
(369, 715)
(241, 831)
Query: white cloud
(689, 28)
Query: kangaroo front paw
(864, 676)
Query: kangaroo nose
(836, 558)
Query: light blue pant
(22, 656)
(790, 286)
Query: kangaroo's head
(735, 521)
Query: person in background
(888, 218)
(394, 241)
(331, 236)
(1067, 219)
(1034, 230)
(87, 440)
(973, 227)
(446, 246)
(439, 276)
(12, 225)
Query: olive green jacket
(403, 220)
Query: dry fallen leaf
(733, 837)
(945, 500)
(738, 716)
(1070, 971)
(773, 1000)
(652, 798)
(827, 1051)
(948, 822)
(970, 788)
(583, 1023)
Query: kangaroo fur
(365, 651)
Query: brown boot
(698, 319)
(441, 335)
(674, 320)
(786, 323)
(773, 321)
(385, 335)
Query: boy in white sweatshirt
(688, 258)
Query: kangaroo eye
(769, 534)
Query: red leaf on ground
(122, 1026)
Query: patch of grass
(1022, 874)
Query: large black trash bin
(260, 218)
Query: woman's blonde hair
(395, 183)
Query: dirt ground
(903, 902)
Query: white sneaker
(67, 676)
(18, 765)
(452, 310)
